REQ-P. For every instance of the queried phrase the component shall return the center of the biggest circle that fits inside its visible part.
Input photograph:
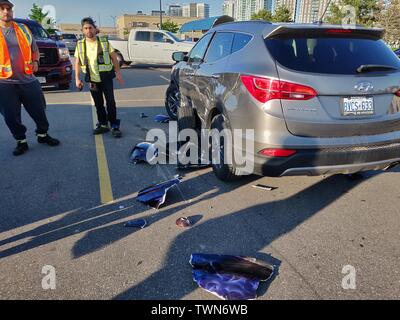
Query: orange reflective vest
(24, 37)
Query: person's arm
(115, 62)
(35, 56)
(78, 81)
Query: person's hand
(120, 79)
(35, 66)
(79, 84)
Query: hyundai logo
(364, 87)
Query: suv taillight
(266, 89)
(397, 93)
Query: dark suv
(55, 67)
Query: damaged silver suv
(321, 99)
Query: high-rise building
(203, 10)
(244, 9)
(309, 11)
(189, 10)
(175, 10)
(228, 8)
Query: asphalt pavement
(66, 207)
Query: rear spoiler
(287, 31)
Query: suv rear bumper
(313, 162)
(60, 74)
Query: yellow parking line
(106, 193)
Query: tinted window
(142, 36)
(157, 37)
(330, 55)
(37, 31)
(220, 46)
(198, 51)
(240, 41)
(69, 36)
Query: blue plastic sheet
(229, 277)
(161, 118)
(155, 195)
(143, 152)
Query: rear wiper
(374, 67)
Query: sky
(72, 11)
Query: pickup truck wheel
(224, 171)
(172, 101)
(120, 59)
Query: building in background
(228, 8)
(128, 21)
(203, 10)
(175, 10)
(189, 10)
(157, 13)
(76, 28)
(196, 10)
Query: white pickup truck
(146, 46)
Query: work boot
(116, 133)
(100, 129)
(46, 139)
(22, 147)
(115, 129)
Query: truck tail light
(277, 153)
(266, 89)
(398, 93)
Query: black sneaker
(48, 140)
(100, 129)
(116, 133)
(21, 148)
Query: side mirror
(180, 56)
(166, 40)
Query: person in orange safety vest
(19, 60)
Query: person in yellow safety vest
(19, 60)
(96, 58)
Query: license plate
(41, 79)
(358, 106)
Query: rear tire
(223, 171)
(172, 101)
(186, 118)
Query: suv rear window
(330, 55)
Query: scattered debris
(229, 277)
(155, 195)
(161, 118)
(141, 223)
(142, 151)
(142, 115)
(183, 222)
(264, 187)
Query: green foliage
(282, 14)
(38, 15)
(170, 26)
(366, 12)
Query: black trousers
(103, 90)
(30, 95)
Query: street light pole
(160, 15)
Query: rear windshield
(330, 55)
